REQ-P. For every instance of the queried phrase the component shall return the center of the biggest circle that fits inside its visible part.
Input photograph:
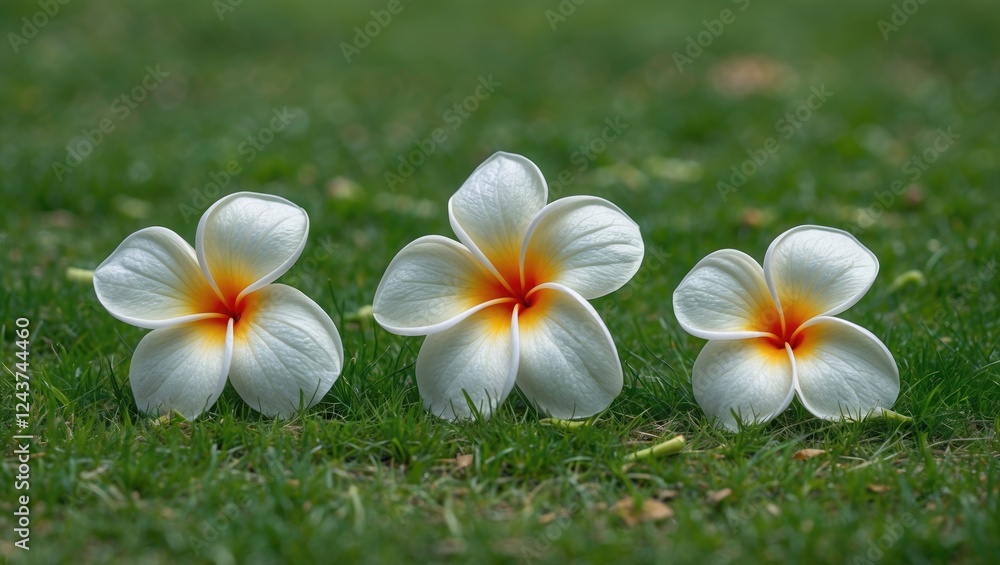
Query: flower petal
(152, 280)
(490, 213)
(431, 285)
(569, 365)
(247, 240)
(286, 350)
(585, 243)
(725, 297)
(477, 357)
(842, 370)
(818, 271)
(182, 368)
(750, 377)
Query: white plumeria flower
(214, 312)
(509, 303)
(772, 334)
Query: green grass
(367, 475)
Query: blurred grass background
(560, 78)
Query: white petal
(431, 285)
(569, 366)
(585, 243)
(475, 358)
(247, 240)
(182, 368)
(286, 350)
(153, 281)
(818, 271)
(725, 297)
(490, 213)
(751, 377)
(842, 370)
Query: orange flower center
(784, 332)
(524, 295)
(227, 308)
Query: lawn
(879, 118)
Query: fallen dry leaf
(667, 494)
(750, 217)
(803, 454)
(463, 461)
(745, 75)
(550, 516)
(649, 510)
(878, 489)
(914, 195)
(717, 496)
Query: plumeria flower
(509, 303)
(773, 335)
(214, 312)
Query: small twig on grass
(566, 424)
(668, 447)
